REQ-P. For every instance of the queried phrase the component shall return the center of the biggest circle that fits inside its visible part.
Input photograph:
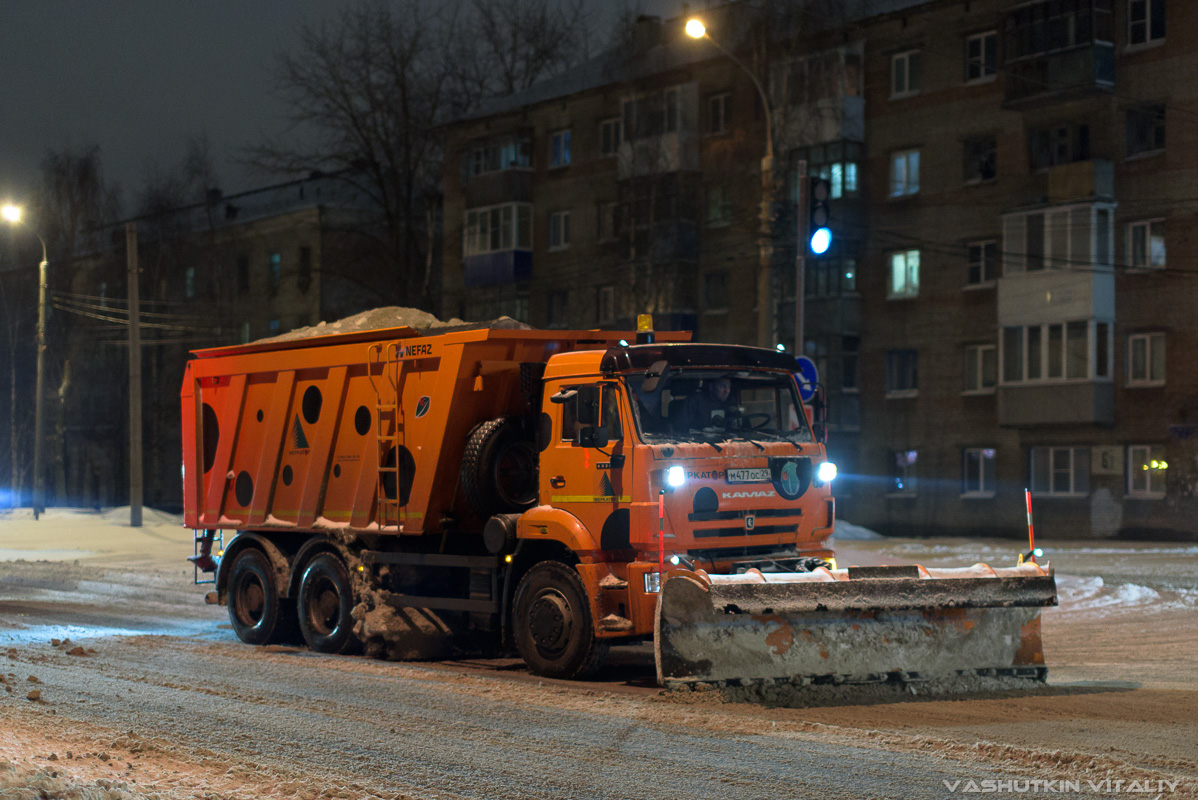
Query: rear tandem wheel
(259, 615)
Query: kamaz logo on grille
(745, 495)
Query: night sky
(139, 77)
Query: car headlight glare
(675, 476)
(826, 472)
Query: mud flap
(801, 627)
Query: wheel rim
(550, 623)
(324, 606)
(251, 600)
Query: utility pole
(135, 474)
(801, 257)
(39, 497)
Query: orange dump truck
(560, 491)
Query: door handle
(557, 481)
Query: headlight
(675, 476)
(826, 472)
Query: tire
(499, 469)
(326, 598)
(555, 633)
(258, 614)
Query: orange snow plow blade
(860, 625)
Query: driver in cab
(707, 408)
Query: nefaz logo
(298, 440)
(745, 495)
(418, 350)
(711, 475)
(422, 406)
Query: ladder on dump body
(388, 415)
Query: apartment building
(1007, 303)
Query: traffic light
(819, 195)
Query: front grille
(713, 516)
(729, 553)
(760, 530)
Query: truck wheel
(554, 630)
(258, 614)
(499, 469)
(326, 598)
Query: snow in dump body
(422, 322)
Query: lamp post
(13, 214)
(697, 30)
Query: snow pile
(394, 317)
(1095, 597)
(848, 532)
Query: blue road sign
(807, 376)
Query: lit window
(977, 471)
(559, 149)
(1146, 359)
(904, 173)
(904, 74)
(1146, 244)
(1060, 470)
(904, 274)
(1146, 471)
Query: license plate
(753, 475)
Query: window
(848, 276)
(275, 272)
(719, 206)
(189, 283)
(1061, 470)
(904, 74)
(902, 471)
(1146, 244)
(849, 347)
(1059, 144)
(510, 151)
(1038, 28)
(1145, 21)
(672, 97)
(1058, 238)
(983, 263)
(245, 332)
(904, 274)
(981, 368)
(273, 327)
(557, 307)
(493, 229)
(610, 136)
(904, 173)
(820, 76)
(977, 471)
(651, 114)
(717, 113)
(559, 149)
(981, 159)
(836, 162)
(715, 291)
(609, 222)
(902, 373)
(305, 267)
(607, 304)
(981, 57)
(559, 230)
(1146, 471)
(243, 274)
(1146, 359)
(1145, 130)
(1056, 352)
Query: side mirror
(587, 399)
(653, 376)
(819, 412)
(591, 436)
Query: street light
(697, 30)
(14, 215)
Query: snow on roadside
(848, 532)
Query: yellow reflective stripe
(590, 498)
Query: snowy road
(170, 704)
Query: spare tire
(499, 469)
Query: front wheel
(555, 633)
(326, 600)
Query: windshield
(695, 405)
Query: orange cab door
(588, 482)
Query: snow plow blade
(860, 625)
